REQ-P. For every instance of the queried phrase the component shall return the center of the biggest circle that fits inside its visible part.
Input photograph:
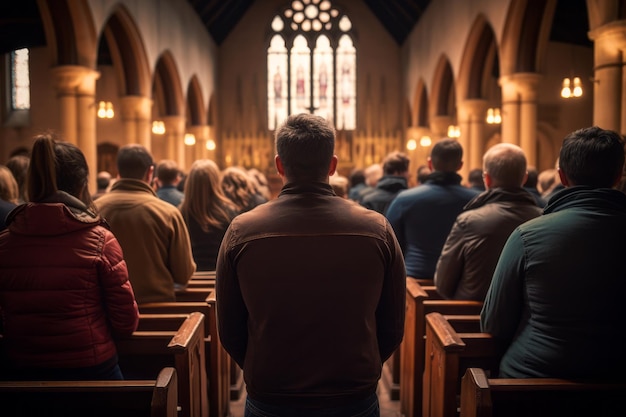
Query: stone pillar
(528, 84)
(201, 132)
(473, 112)
(174, 137)
(136, 111)
(439, 126)
(510, 110)
(609, 92)
(76, 87)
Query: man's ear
(333, 165)
(563, 178)
(487, 180)
(430, 164)
(149, 175)
(279, 166)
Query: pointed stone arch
(442, 106)
(128, 54)
(70, 32)
(421, 105)
(526, 35)
(167, 80)
(196, 110)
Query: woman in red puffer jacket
(64, 290)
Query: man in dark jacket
(473, 246)
(423, 216)
(394, 180)
(310, 288)
(557, 293)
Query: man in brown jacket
(152, 232)
(310, 288)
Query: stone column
(528, 84)
(76, 87)
(439, 126)
(609, 92)
(136, 111)
(474, 113)
(510, 110)
(174, 137)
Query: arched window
(311, 64)
(20, 80)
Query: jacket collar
(500, 194)
(444, 178)
(583, 196)
(321, 188)
(133, 185)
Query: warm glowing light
(578, 87)
(190, 139)
(493, 116)
(158, 127)
(105, 110)
(210, 145)
(566, 91)
(454, 131)
(425, 141)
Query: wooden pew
(448, 354)
(420, 302)
(539, 397)
(199, 290)
(391, 369)
(128, 398)
(217, 359)
(177, 343)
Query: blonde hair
(204, 200)
(238, 187)
(9, 191)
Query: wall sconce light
(493, 116)
(454, 131)
(105, 110)
(210, 145)
(190, 139)
(158, 127)
(425, 141)
(572, 88)
(411, 145)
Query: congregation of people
(326, 259)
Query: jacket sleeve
(232, 314)
(181, 263)
(392, 305)
(503, 308)
(394, 215)
(451, 262)
(119, 299)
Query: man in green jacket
(556, 302)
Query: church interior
(194, 79)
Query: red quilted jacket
(64, 289)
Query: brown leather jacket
(310, 297)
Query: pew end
(482, 396)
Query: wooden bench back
(179, 345)
(539, 397)
(412, 348)
(448, 354)
(217, 359)
(128, 398)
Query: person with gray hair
(473, 246)
(152, 232)
(279, 263)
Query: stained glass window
(311, 64)
(20, 80)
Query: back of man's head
(447, 156)
(533, 177)
(305, 144)
(593, 157)
(103, 179)
(396, 163)
(505, 164)
(422, 174)
(167, 172)
(133, 161)
(372, 174)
